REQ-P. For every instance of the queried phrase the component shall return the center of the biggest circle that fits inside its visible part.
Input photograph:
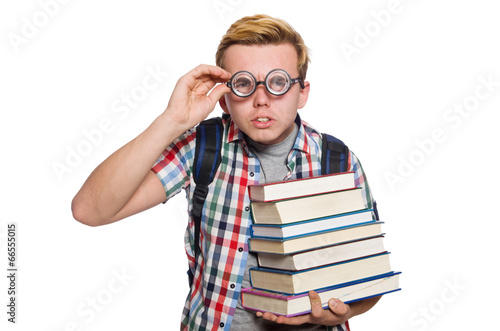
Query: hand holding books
(337, 313)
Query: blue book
(307, 207)
(324, 255)
(296, 282)
(291, 230)
(316, 240)
(293, 305)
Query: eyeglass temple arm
(295, 80)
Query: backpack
(208, 157)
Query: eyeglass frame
(257, 82)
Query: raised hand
(123, 184)
(191, 101)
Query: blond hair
(264, 30)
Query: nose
(261, 97)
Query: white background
(65, 68)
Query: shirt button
(232, 286)
(221, 324)
(240, 249)
(247, 208)
(252, 174)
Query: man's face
(266, 118)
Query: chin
(266, 140)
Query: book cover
(302, 187)
(295, 282)
(323, 256)
(307, 207)
(312, 241)
(287, 231)
(298, 304)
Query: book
(312, 241)
(293, 305)
(296, 282)
(307, 207)
(302, 187)
(323, 256)
(287, 231)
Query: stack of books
(315, 234)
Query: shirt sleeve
(173, 166)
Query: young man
(264, 140)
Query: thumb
(338, 307)
(218, 92)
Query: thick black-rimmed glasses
(277, 82)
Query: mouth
(262, 122)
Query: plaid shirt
(226, 217)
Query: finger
(209, 72)
(218, 92)
(202, 79)
(338, 307)
(316, 306)
(216, 71)
(204, 84)
(296, 320)
(268, 316)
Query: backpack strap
(206, 162)
(334, 159)
(334, 155)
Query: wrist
(165, 129)
(360, 307)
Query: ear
(304, 95)
(223, 104)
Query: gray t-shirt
(273, 162)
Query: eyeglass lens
(244, 83)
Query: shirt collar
(302, 140)
(234, 133)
